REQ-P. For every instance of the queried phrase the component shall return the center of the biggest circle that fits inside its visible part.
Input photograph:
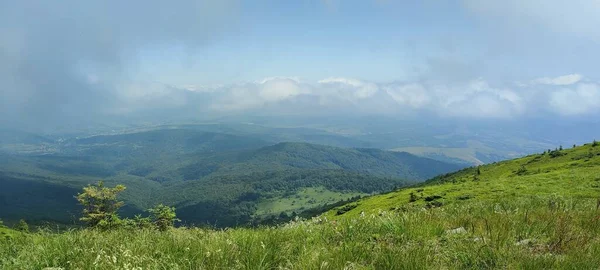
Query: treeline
(231, 200)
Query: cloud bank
(569, 95)
(63, 61)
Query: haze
(73, 64)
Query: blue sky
(381, 41)
(486, 59)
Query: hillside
(535, 212)
(214, 178)
(568, 173)
(311, 156)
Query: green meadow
(537, 212)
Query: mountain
(536, 212)
(215, 178)
(310, 156)
(569, 173)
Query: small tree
(100, 205)
(138, 222)
(413, 197)
(595, 143)
(163, 217)
(478, 170)
(2, 224)
(22, 226)
(521, 171)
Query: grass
(536, 212)
(305, 198)
(574, 174)
(540, 233)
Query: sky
(74, 61)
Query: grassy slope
(521, 234)
(576, 174)
(546, 218)
(305, 198)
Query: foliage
(22, 226)
(521, 171)
(574, 173)
(163, 217)
(508, 234)
(556, 153)
(100, 205)
(217, 179)
(137, 222)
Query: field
(305, 198)
(541, 233)
(572, 173)
(537, 212)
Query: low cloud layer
(569, 95)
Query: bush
(137, 222)
(432, 198)
(345, 209)
(521, 171)
(413, 197)
(434, 204)
(163, 217)
(22, 226)
(101, 205)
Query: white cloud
(413, 94)
(279, 89)
(582, 99)
(358, 88)
(560, 80)
(565, 95)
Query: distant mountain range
(212, 177)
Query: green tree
(22, 226)
(2, 224)
(412, 197)
(163, 217)
(100, 205)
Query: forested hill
(564, 173)
(368, 161)
(210, 177)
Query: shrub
(101, 205)
(345, 209)
(137, 222)
(22, 226)
(521, 171)
(432, 198)
(556, 153)
(413, 197)
(163, 217)
(434, 204)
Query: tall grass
(534, 233)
